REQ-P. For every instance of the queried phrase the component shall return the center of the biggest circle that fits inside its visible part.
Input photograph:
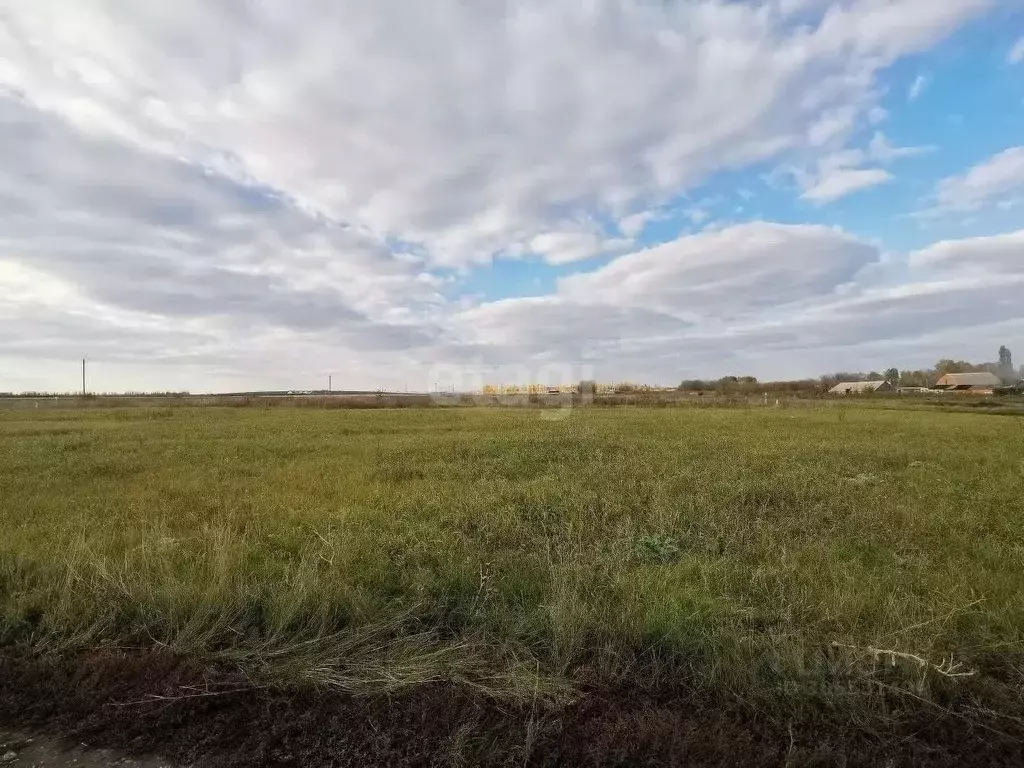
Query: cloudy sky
(235, 194)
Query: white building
(861, 387)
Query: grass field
(784, 557)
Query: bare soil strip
(147, 703)
(18, 750)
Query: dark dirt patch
(207, 716)
(20, 751)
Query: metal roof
(983, 380)
(857, 386)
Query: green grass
(762, 553)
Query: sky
(248, 194)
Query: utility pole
(330, 384)
(83, 377)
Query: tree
(727, 384)
(1005, 370)
(893, 376)
(954, 366)
(923, 378)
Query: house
(979, 383)
(861, 387)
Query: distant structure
(979, 383)
(861, 387)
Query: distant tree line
(907, 378)
(744, 385)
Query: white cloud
(633, 224)
(1016, 54)
(242, 194)
(880, 150)
(842, 181)
(995, 180)
(772, 300)
(141, 257)
(994, 255)
(697, 216)
(464, 129)
(841, 173)
(796, 6)
(532, 327)
(835, 124)
(21, 284)
(735, 271)
(768, 299)
(917, 88)
(566, 246)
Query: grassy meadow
(770, 554)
